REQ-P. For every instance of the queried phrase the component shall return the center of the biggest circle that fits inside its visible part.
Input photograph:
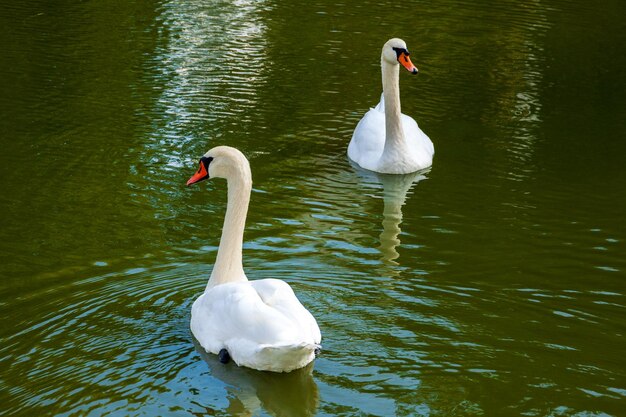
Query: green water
(493, 284)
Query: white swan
(385, 140)
(259, 324)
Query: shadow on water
(249, 391)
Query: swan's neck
(394, 135)
(228, 265)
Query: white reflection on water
(209, 66)
(395, 189)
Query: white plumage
(261, 323)
(385, 140)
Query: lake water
(492, 284)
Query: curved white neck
(394, 135)
(228, 265)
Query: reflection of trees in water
(292, 394)
(509, 67)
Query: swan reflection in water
(395, 188)
(290, 394)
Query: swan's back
(260, 323)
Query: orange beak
(201, 174)
(406, 63)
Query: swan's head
(395, 52)
(222, 162)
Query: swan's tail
(286, 358)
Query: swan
(260, 324)
(385, 140)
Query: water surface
(490, 284)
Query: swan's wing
(253, 314)
(235, 311)
(419, 144)
(368, 139)
(279, 296)
(260, 323)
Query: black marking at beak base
(202, 173)
(206, 161)
(400, 52)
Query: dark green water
(493, 284)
